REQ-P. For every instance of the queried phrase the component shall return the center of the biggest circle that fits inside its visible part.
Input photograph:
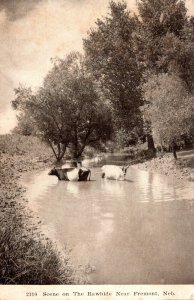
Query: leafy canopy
(111, 60)
(67, 109)
(169, 106)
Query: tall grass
(25, 259)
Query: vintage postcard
(97, 149)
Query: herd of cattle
(84, 174)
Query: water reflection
(130, 230)
(113, 187)
(157, 188)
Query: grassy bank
(27, 256)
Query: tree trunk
(151, 146)
(75, 143)
(60, 152)
(52, 147)
(174, 150)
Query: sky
(34, 31)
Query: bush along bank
(169, 166)
(27, 256)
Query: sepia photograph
(97, 146)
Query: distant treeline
(133, 84)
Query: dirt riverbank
(182, 168)
(14, 163)
(17, 156)
(11, 193)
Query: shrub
(15, 144)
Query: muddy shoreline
(167, 165)
(11, 192)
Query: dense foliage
(67, 109)
(159, 31)
(170, 109)
(111, 59)
(164, 43)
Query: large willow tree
(67, 110)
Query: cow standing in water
(71, 174)
(114, 172)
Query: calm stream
(138, 231)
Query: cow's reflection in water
(113, 187)
(73, 188)
(92, 188)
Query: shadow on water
(137, 231)
(128, 180)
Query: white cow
(114, 172)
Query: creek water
(137, 231)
